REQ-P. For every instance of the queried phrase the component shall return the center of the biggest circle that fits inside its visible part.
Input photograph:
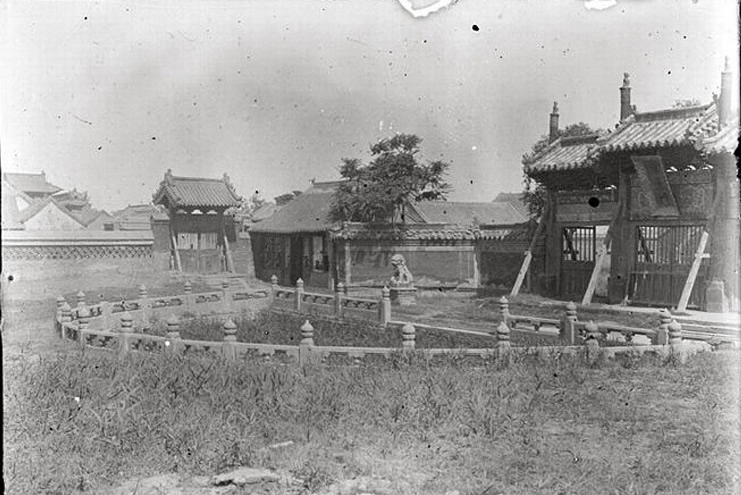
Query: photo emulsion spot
(434, 247)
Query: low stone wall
(75, 245)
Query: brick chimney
(724, 100)
(553, 134)
(626, 110)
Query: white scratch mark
(599, 4)
(425, 11)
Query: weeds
(82, 421)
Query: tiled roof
(725, 141)
(459, 213)
(37, 206)
(565, 153)
(516, 200)
(662, 128)
(421, 232)
(10, 218)
(88, 215)
(309, 212)
(31, 183)
(193, 192)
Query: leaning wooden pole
(529, 254)
(178, 265)
(684, 299)
(601, 256)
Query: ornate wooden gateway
(198, 231)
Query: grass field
(78, 421)
(556, 425)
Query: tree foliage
(380, 190)
(534, 194)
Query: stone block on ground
(245, 476)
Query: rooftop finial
(626, 80)
(727, 66)
(555, 107)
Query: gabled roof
(309, 212)
(31, 183)
(565, 153)
(195, 192)
(37, 206)
(516, 200)
(460, 213)
(88, 215)
(10, 215)
(659, 129)
(264, 212)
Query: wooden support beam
(178, 264)
(228, 252)
(684, 299)
(529, 254)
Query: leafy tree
(249, 206)
(534, 194)
(286, 198)
(380, 190)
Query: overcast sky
(106, 96)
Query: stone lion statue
(402, 277)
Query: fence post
(188, 299)
(66, 318)
(568, 324)
(145, 304)
(173, 334)
(504, 310)
(124, 334)
(58, 319)
(338, 289)
(591, 341)
(408, 336)
(273, 288)
(80, 299)
(298, 295)
(306, 343)
(106, 313)
(504, 345)
(226, 296)
(385, 306)
(662, 334)
(675, 332)
(229, 347)
(83, 323)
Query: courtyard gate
(579, 252)
(663, 258)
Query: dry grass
(545, 425)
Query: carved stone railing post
(189, 300)
(592, 340)
(338, 294)
(226, 296)
(408, 336)
(80, 299)
(662, 334)
(675, 332)
(145, 304)
(124, 337)
(298, 294)
(273, 288)
(504, 345)
(173, 334)
(58, 319)
(66, 318)
(568, 324)
(385, 306)
(306, 344)
(229, 347)
(504, 310)
(83, 324)
(106, 313)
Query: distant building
(443, 243)
(199, 233)
(514, 199)
(35, 186)
(48, 214)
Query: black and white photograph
(370, 247)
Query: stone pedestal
(715, 298)
(403, 296)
